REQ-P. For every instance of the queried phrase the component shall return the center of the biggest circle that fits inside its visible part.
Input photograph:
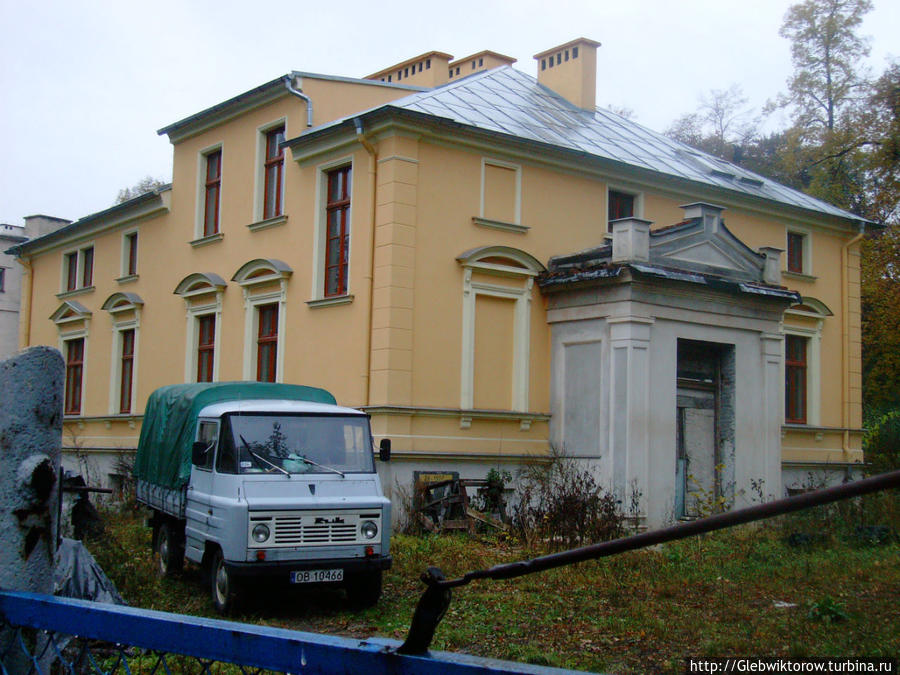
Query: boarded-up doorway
(704, 441)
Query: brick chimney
(426, 70)
(571, 71)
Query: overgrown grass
(741, 592)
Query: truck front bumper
(285, 567)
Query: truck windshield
(272, 443)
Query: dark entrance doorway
(704, 444)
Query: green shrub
(560, 505)
(881, 442)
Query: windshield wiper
(322, 466)
(260, 458)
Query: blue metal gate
(42, 634)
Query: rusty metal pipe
(434, 602)
(759, 512)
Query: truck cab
(278, 487)
(286, 488)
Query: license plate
(316, 576)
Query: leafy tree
(144, 185)
(825, 95)
(825, 51)
(721, 126)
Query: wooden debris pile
(443, 502)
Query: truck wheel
(364, 588)
(223, 585)
(170, 556)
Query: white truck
(249, 479)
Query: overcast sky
(84, 85)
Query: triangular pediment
(70, 310)
(709, 250)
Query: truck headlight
(369, 529)
(260, 533)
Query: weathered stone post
(31, 390)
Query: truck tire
(170, 555)
(364, 588)
(222, 584)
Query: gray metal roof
(506, 101)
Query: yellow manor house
(490, 266)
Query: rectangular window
(78, 269)
(337, 215)
(74, 373)
(267, 343)
(71, 271)
(2, 280)
(131, 244)
(213, 184)
(274, 170)
(619, 205)
(87, 267)
(795, 368)
(206, 347)
(795, 245)
(501, 192)
(126, 375)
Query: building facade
(403, 241)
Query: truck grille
(313, 528)
(293, 531)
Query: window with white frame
(206, 347)
(209, 193)
(497, 292)
(78, 269)
(270, 174)
(202, 295)
(798, 257)
(74, 350)
(331, 253)
(264, 284)
(72, 321)
(125, 312)
(501, 191)
(802, 374)
(129, 267)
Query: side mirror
(384, 450)
(198, 453)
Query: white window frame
(813, 369)
(194, 313)
(64, 337)
(259, 186)
(252, 300)
(807, 252)
(524, 269)
(79, 267)
(200, 208)
(131, 310)
(490, 161)
(624, 189)
(251, 331)
(202, 298)
(321, 223)
(123, 271)
(115, 370)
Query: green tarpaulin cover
(170, 423)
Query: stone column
(772, 348)
(31, 406)
(629, 424)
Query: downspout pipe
(289, 85)
(373, 183)
(845, 334)
(27, 293)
